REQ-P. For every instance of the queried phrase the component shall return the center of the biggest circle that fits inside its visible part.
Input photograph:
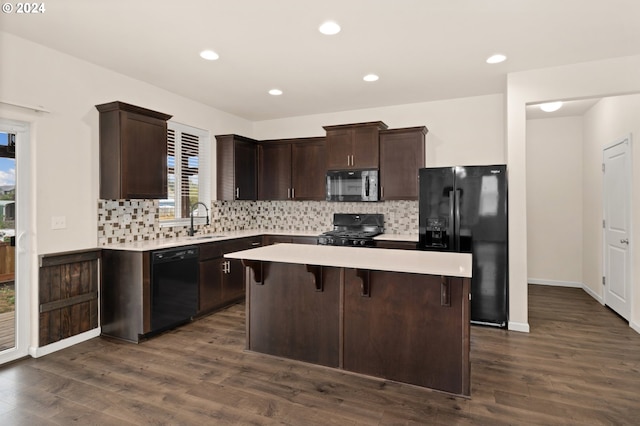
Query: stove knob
(363, 242)
(356, 242)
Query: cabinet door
(144, 156)
(339, 149)
(246, 165)
(133, 152)
(210, 283)
(274, 178)
(401, 156)
(308, 170)
(365, 148)
(233, 280)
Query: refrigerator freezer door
(437, 209)
(482, 192)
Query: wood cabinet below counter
(221, 281)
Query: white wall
(554, 201)
(64, 159)
(66, 148)
(461, 131)
(585, 80)
(610, 120)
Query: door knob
(625, 241)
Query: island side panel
(402, 332)
(288, 317)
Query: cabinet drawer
(403, 245)
(218, 249)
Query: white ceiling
(423, 50)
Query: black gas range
(353, 229)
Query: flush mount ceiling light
(209, 55)
(329, 28)
(496, 59)
(551, 106)
(275, 92)
(370, 77)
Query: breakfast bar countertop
(408, 261)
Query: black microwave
(352, 185)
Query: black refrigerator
(464, 209)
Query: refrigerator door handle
(457, 219)
(451, 227)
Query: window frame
(204, 173)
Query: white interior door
(617, 226)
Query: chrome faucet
(191, 230)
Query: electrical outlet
(58, 222)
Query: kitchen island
(395, 314)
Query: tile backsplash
(121, 221)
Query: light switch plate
(58, 222)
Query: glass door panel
(7, 241)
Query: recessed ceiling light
(551, 106)
(370, 77)
(275, 92)
(496, 59)
(329, 28)
(209, 55)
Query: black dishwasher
(174, 287)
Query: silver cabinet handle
(237, 192)
(293, 193)
(625, 241)
(348, 157)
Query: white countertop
(409, 261)
(164, 243)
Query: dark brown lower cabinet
(410, 328)
(295, 239)
(125, 294)
(221, 281)
(401, 245)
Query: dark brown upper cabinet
(237, 168)
(402, 153)
(274, 171)
(353, 146)
(133, 152)
(292, 169)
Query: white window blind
(188, 169)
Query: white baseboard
(63, 344)
(635, 326)
(571, 284)
(591, 293)
(522, 327)
(555, 283)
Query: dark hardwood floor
(579, 365)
